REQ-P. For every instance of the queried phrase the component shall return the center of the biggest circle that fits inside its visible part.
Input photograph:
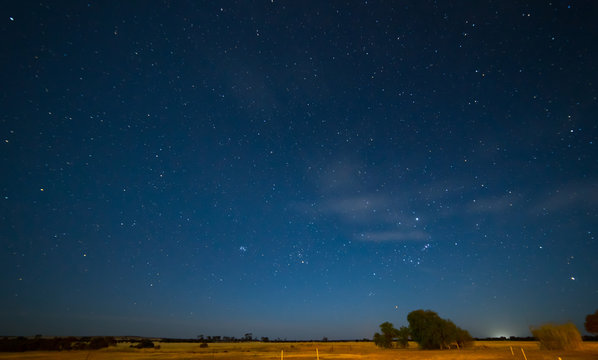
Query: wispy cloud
(494, 204)
(391, 236)
(361, 202)
(579, 195)
(356, 208)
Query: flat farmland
(482, 350)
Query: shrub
(101, 342)
(558, 337)
(145, 344)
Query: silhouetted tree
(388, 333)
(403, 337)
(422, 325)
(430, 331)
(591, 323)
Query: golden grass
(482, 350)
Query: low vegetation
(144, 344)
(558, 337)
(20, 344)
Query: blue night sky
(296, 169)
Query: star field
(296, 169)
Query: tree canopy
(426, 328)
(591, 323)
(389, 334)
(430, 331)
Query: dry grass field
(307, 350)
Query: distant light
(416, 219)
(572, 277)
(11, 18)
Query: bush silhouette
(558, 337)
(54, 344)
(145, 344)
(101, 342)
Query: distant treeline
(528, 338)
(250, 337)
(40, 343)
(504, 338)
(19, 344)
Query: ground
(482, 350)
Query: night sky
(296, 169)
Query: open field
(483, 350)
